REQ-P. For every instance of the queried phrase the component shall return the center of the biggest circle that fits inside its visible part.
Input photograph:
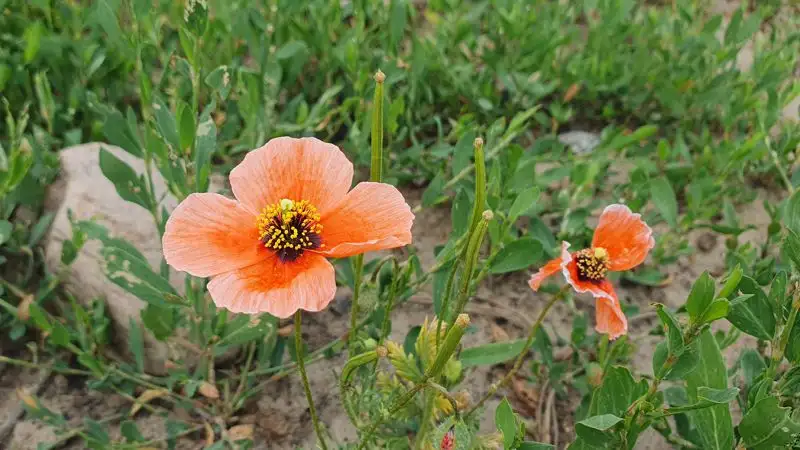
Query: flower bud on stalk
(362, 359)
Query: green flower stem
(521, 356)
(358, 269)
(376, 163)
(427, 419)
(472, 253)
(301, 366)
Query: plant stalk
(301, 367)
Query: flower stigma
(289, 228)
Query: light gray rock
(84, 190)
(580, 142)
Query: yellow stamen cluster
(289, 227)
(592, 263)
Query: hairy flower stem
(397, 406)
(301, 366)
(521, 356)
(427, 419)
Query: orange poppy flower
(267, 250)
(621, 242)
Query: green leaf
(490, 354)
(517, 255)
(186, 126)
(622, 140)
(118, 132)
(291, 49)
(714, 424)
(39, 317)
(506, 422)
(5, 231)
(220, 80)
(60, 335)
(793, 346)
(243, 329)
(685, 364)
(768, 426)
(616, 393)
(33, 40)
(205, 145)
(700, 297)
(135, 275)
(752, 312)
(131, 432)
(161, 321)
(136, 344)
(716, 310)
(791, 247)
(166, 125)
(434, 192)
(398, 17)
(717, 396)
(463, 151)
(664, 199)
(595, 428)
(791, 213)
(460, 213)
(524, 202)
(731, 282)
(530, 445)
(674, 333)
(38, 231)
(129, 186)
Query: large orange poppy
(621, 242)
(267, 250)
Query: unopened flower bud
(381, 351)
(380, 77)
(488, 215)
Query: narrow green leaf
(716, 310)
(674, 333)
(664, 198)
(490, 354)
(131, 432)
(160, 321)
(136, 344)
(118, 132)
(129, 186)
(5, 231)
(205, 145)
(434, 193)
(791, 213)
(166, 125)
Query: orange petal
(297, 169)
(547, 270)
(609, 317)
(275, 287)
(373, 216)
(624, 235)
(569, 268)
(208, 234)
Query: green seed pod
(359, 360)
(448, 347)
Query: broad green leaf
(523, 203)
(596, 428)
(616, 393)
(793, 346)
(118, 132)
(159, 320)
(731, 282)
(752, 312)
(664, 199)
(291, 49)
(243, 329)
(716, 310)
(136, 344)
(719, 396)
(518, 255)
(33, 40)
(714, 424)
(186, 126)
(5, 231)
(489, 354)
(129, 186)
(791, 247)
(220, 80)
(752, 365)
(777, 294)
(674, 333)
(398, 16)
(506, 422)
(131, 432)
(685, 364)
(60, 335)
(39, 317)
(768, 426)
(700, 297)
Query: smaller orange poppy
(621, 242)
(267, 250)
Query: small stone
(706, 242)
(580, 142)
